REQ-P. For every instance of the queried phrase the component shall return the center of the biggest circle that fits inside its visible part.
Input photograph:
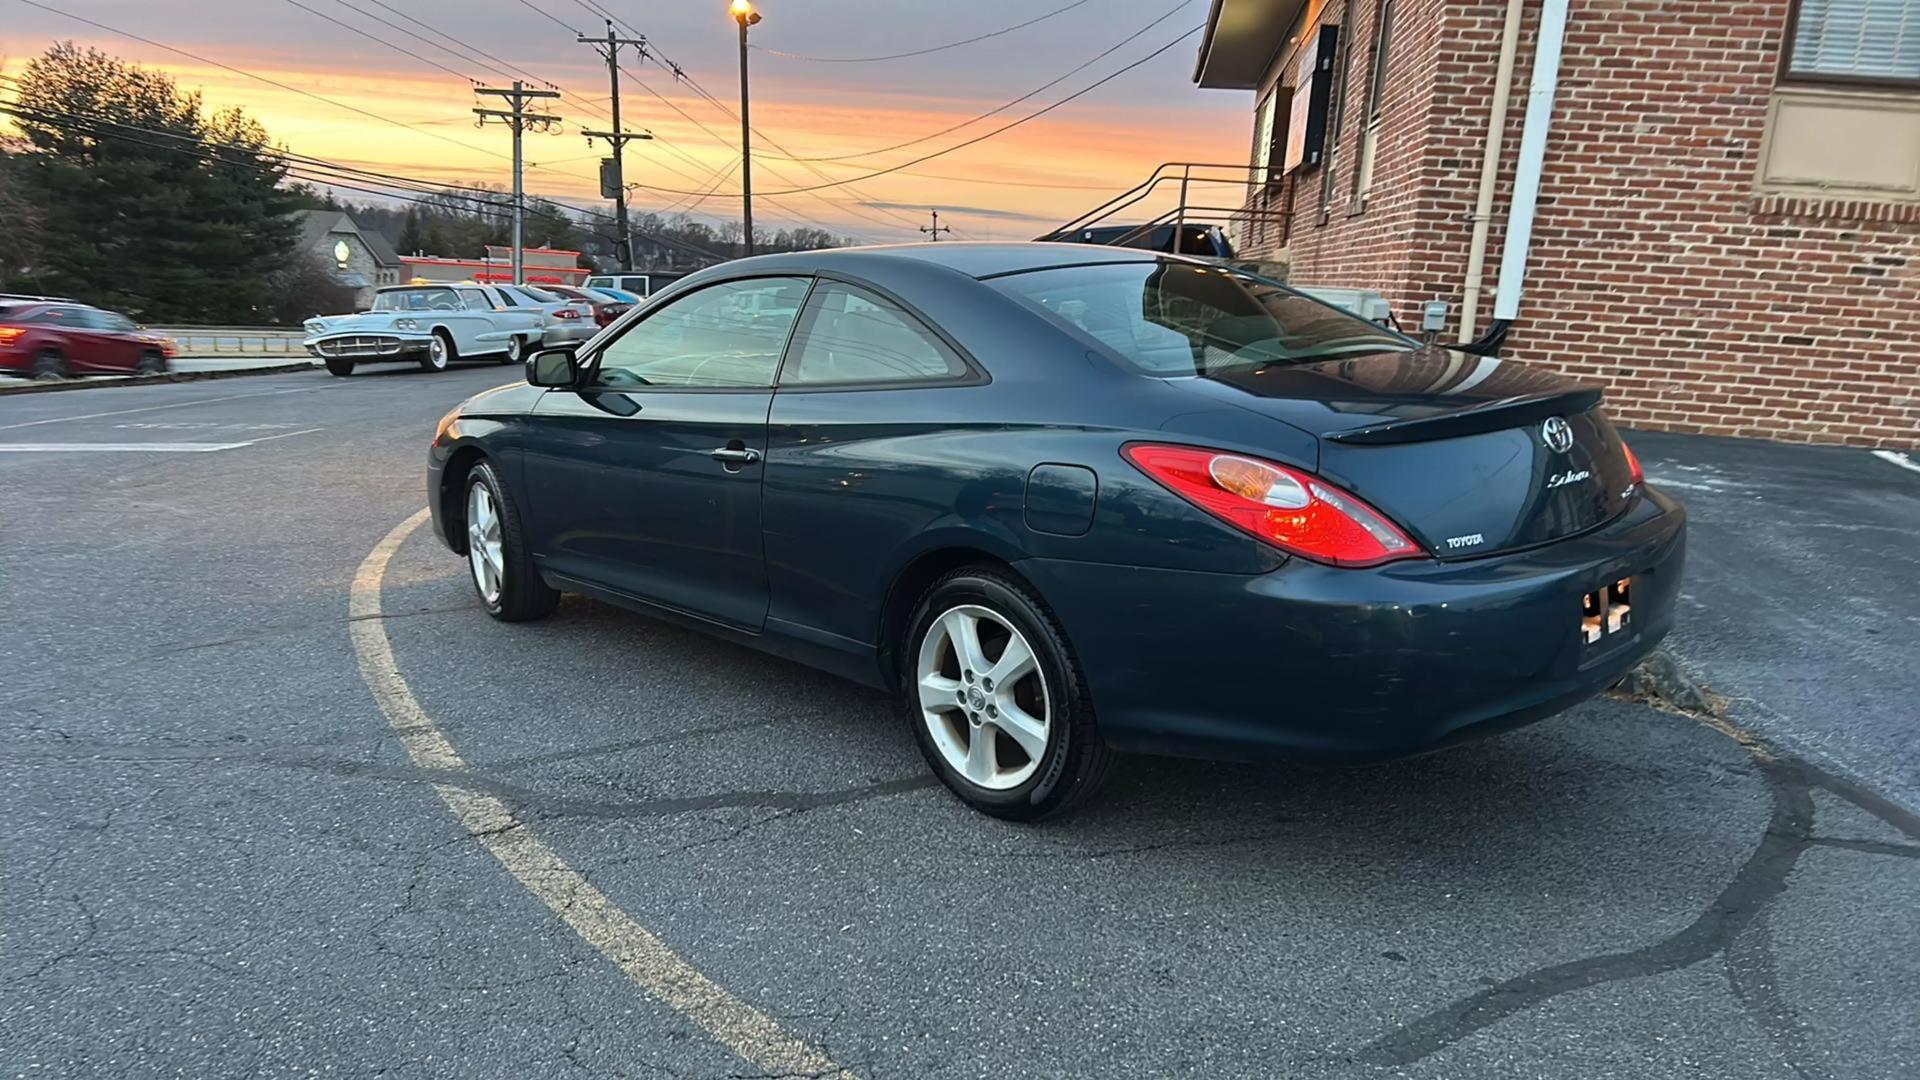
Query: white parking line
(142, 448)
(655, 968)
(1898, 458)
(153, 408)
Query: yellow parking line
(657, 969)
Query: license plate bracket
(1606, 614)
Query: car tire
(498, 561)
(516, 350)
(49, 364)
(341, 368)
(152, 363)
(440, 352)
(1022, 772)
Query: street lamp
(743, 13)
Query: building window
(1854, 41)
(1375, 103)
(1263, 136)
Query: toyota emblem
(1557, 434)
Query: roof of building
(1243, 39)
(316, 225)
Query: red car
(605, 308)
(52, 340)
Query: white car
(433, 325)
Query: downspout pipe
(1490, 171)
(1533, 156)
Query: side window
(850, 335)
(506, 297)
(92, 320)
(475, 300)
(121, 323)
(724, 336)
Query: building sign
(1312, 89)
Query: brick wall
(1656, 268)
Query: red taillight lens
(1295, 511)
(1633, 463)
(565, 313)
(9, 335)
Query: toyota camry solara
(1068, 500)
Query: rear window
(1174, 318)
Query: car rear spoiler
(1492, 416)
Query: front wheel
(502, 568)
(997, 699)
(152, 363)
(339, 367)
(440, 352)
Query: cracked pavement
(221, 862)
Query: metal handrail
(1161, 174)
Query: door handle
(733, 455)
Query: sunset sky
(1010, 186)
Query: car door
(474, 330)
(645, 479)
(97, 346)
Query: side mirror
(553, 368)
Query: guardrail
(234, 340)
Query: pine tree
(145, 203)
(413, 239)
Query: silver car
(432, 325)
(563, 321)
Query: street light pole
(744, 14)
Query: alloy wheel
(484, 552)
(983, 697)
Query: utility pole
(521, 119)
(936, 228)
(615, 186)
(743, 13)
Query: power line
(377, 39)
(1035, 115)
(923, 52)
(1029, 95)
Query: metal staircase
(1208, 203)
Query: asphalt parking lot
(285, 802)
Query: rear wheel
(440, 352)
(997, 700)
(502, 568)
(152, 363)
(516, 350)
(49, 364)
(337, 366)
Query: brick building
(1727, 227)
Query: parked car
(1066, 501)
(622, 295)
(641, 285)
(55, 340)
(564, 320)
(605, 308)
(432, 325)
(1209, 241)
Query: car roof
(975, 259)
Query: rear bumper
(566, 333)
(1314, 662)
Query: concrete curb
(51, 386)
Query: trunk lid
(1456, 449)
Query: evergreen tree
(144, 202)
(413, 239)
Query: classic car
(432, 325)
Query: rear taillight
(1633, 464)
(9, 335)
(565, 313)
(1294, 511)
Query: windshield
(416, 300)
(1174, 318)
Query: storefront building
(1726, 230)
